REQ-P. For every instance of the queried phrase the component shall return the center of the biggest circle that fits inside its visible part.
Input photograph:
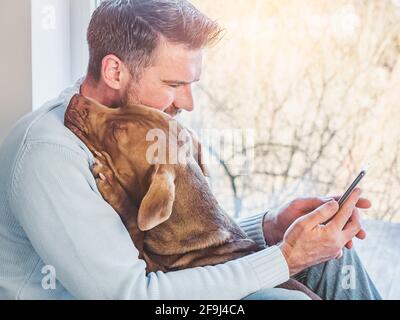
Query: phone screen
(350, 189)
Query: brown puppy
(168, 208)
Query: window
(59, 48)
(321, 91)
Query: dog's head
(150, 153)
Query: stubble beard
(131, 98)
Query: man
(54, 223)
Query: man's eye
(174, 86)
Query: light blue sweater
(53, 220)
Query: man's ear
(113, 72)
(198, 153)
(156, 206)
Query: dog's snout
(79, 106)
(77, 115)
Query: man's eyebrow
(181, 82)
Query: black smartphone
(354, 184)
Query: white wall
(80, 13)
(15, 62)
(59, 48)
(51, 49)
(43, 50)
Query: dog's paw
(108, 184)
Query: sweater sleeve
(252, 226)
(56, 201)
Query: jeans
(344, 279)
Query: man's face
(166, 85)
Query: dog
(169, 210)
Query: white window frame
(59, 54)
(80, 13)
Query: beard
(131, 98)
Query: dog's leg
(214, 255)
(112, 192)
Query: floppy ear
(156, 206)
(198, 153)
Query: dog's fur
(169, 210)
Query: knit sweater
(60, 240)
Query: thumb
(323, 213)
(310, 204)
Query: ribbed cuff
(270, 266)
(253, 228)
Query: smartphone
(354, 184)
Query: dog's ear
(198, 153)
(156, 206)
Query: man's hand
(277, 221)
(320, 235)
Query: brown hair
(132, 30)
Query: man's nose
(184, 99)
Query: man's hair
(132, 30)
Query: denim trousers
(343, 279)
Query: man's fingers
(356, 220)
(340, 255)
(352, 228)
(356, 216)
(361, 235)
(349, 245)
(323, 213)
(310, 204)
(363, 203)
(346, 211)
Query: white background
(43, 50)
